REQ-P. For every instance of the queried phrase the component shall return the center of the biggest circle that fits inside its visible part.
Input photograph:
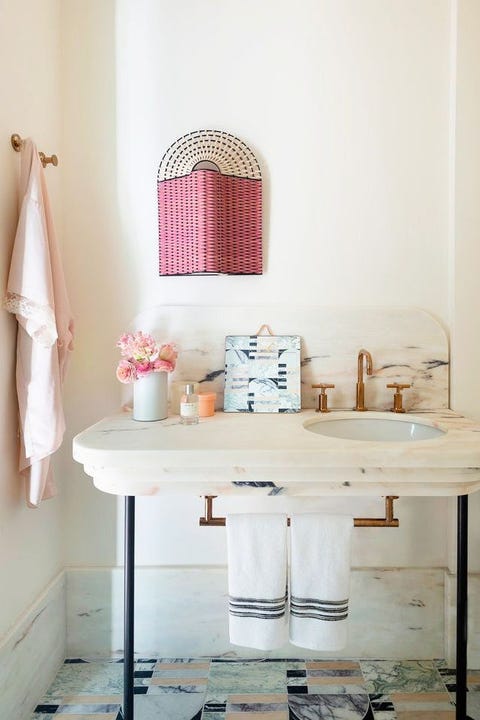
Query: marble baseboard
(182, 612)
(32, 652)
(473, 619)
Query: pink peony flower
(139, 346)
(125, 343)
(143, 368)
(163, 365)
(169, 353)
(126, 371)
(142, 355)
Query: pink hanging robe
(37, 295)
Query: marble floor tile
(473, 680)
(340, 667)
(174, 686)
(385, 676)
(92, 699)
(86, 716)
(258, 715)
(337, 707)
(473, 705)
(88, 709)
(273, 706)
(448, 678)
(382, 707)
(335, 677)
(336, 689)
(426, 715)
(295, 664)
(473, 683)
(410, 705)
(173, 676)
(143, 665)
(168, 707)
(92, 678)
(192, 669)
(252, 689)
(237, 677)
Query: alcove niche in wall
(209, 207)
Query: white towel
(320, 580)
(257, 579)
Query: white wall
(346, 105)
(465, 378)
(100, 286)
(466, 290)
(30, 543)
(366, 146)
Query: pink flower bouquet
(142, 355)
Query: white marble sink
(383, 428)
(243, 453)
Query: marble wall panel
(183, 612)
(32, 652)
(407, 345)
(473, 619)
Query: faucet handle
(322, 398)
(397, 398)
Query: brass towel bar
(388, 521)
(17, 144)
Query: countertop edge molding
(274, 455)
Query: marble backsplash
(407, 345)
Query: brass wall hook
(17, 144)
(48, 159)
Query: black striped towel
(320, 580)
(257, 571)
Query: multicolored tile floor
(227, 689)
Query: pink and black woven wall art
(209, 206)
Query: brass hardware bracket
(388, 521)
(17, 144)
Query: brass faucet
(360, 404)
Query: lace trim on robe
(41, 323)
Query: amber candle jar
(206, 404)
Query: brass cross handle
(322, 398)
(397, 398)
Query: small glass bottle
(189, 406)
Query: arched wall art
(209, 206)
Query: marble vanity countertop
(237, 453)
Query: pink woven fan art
(209, 207)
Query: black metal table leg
(129, 600)
(462, 588)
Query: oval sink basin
(381, 429)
